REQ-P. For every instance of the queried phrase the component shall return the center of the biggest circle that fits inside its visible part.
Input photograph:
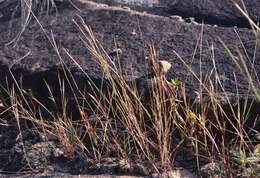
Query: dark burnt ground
(28, 150)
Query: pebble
(257, 136)
(177, 18)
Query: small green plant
(239, 156)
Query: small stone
(190, 20)
(126, 8)
(1, 103)
(134, 33)
(115, 52)
(257, 136)
(177, 18)
(257, 150)
(48, 168)
(57, 152)
(165, 66)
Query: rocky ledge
(194, 50)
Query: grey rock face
(215, 11)
(35, 58)
(219, 12)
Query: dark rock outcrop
(35, 58)
(222, 12)
(218, 12)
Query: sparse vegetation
(157, 129)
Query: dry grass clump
(115, 119)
